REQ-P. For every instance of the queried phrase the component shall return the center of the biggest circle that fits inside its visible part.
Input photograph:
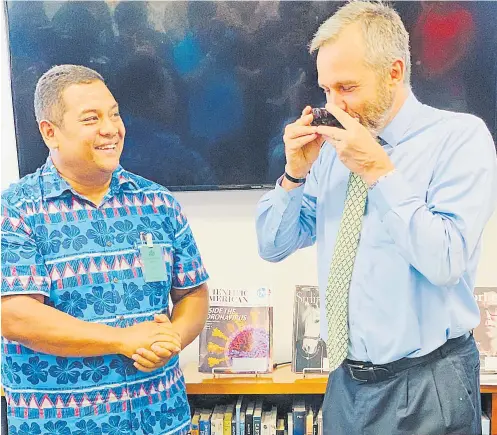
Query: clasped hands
(150, 344)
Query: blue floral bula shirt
(85, 261)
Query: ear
(397, 72)
(48, 132)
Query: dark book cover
(249, 419)
(309, 349)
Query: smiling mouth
(107, 147)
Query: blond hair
(386, 39)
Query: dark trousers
(438, 396)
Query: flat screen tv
(206, 87)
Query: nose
(108, 128)
(336, 99)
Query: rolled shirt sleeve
(188, 269)
(23, 268)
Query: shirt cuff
(284, 199)
(389, 192)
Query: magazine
(237, 336)
(486, 332)
(309, 350)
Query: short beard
(375, 114)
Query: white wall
(8, 157)
(223, 225)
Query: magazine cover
(309, 350)
(237, 336)
(486, 332)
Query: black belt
(368, 372)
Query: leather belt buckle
(355, 370)
(364, 374)
(380, 374)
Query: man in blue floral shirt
(91, 255)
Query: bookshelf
(283, 382)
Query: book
(485, 424)
(217, 420)
(266, 422)
(320, 420)
(242, 419)
(299, 417)
(238, 411)
(195, 421)
(249, 419)
(205, 422)
(309, 421)
(237, 336)
(257, 420)
(309, 349)
(273, 421)
(228, 417)
(485, 333)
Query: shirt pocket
(138, 296)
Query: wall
(223, 224)
(9, 168)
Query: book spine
(205, 427)
(257, 424)
(249, 424)
(299, 422)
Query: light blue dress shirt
(413, 280)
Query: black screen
(205, 88)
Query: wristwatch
(294, 180)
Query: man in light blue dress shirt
(412, 366)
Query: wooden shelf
(491, 389)
(281, 381)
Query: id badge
(154, 268)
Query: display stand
(314, 371)
(220, 371)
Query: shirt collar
(394, 132)
(121, 178)
(53, 185)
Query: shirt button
(115, 280)
(109, 243)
